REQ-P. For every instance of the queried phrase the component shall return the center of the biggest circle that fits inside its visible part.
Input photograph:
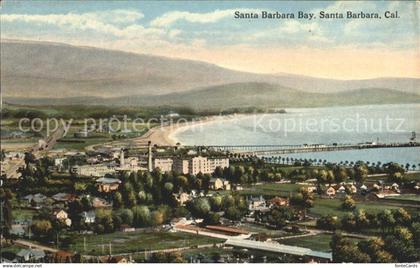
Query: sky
(208, 31)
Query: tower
(149, 157)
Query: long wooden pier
(291, 149)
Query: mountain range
(52, 73)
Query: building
(199, 164)
(107, 185)
(330, 192)
(219, 184)
(256, 203)
(30, 255)
(100, 203)
(36, 199)
(61, 216)
(182, 198)
(64, 197)
(164, 164)
(88, 216)
(92, 170)
(114, 259)
(278, 201)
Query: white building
(199, 164)
(164, 164)
(92, 170)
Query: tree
(328, 223)
(401, 245)
(41, 227)
(199, 207)
(303, 200)
(169, 187)
(212, 218)
(361, 172)
(349, 222)
(279, 216)
(131, 200)
(344, 250)
(141, 216)
(216, 202)
(375, 249)
(386, 220)
(157, 218)
(233, 213)
(118, 200)
(7, 216)
(348, 203)
(402, 217)
(127, 216)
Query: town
(152, 203)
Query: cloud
(107, 22)
(169, 18)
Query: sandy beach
(166, 135)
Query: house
(61, 216)
(63, 257)
(30, 255)
(17, 230)
(256, 203)
(386, 193)
(35, 199)
(219, 184)
(311, 189)
(278, 201)
(100, 203)
(341, 190)
(330, 192)
(64, 197)
(364, 189)
(107, 185)
(237, 187)
(353, 189)
(395, 187)
(182, 198)
(88, 216)
(113, 259)
(59, 162)
(127, 228)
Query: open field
(323, 207)
(20, 214)
(272, 189)
(411, 197)
(137, 242)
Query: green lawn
(137, 241)
(323, 207)
(22, 214)
(255, 228)
(411, 197)
(271, 189)
(320, 242)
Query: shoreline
(166, 135)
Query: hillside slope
(236, 95)
(50, 70)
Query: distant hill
(50, 70)
(260, 95)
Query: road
(12, 170)
(31, 244)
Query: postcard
(210, 132)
